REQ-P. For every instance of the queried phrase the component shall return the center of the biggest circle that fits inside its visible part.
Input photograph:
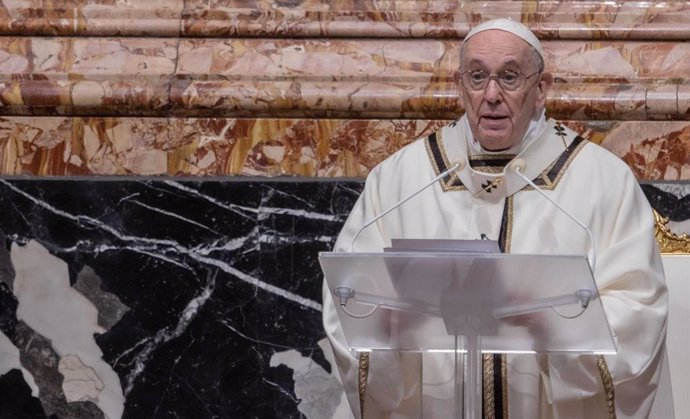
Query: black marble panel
(203, 290)
(671, 200)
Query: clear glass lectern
(467, 303)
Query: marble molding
(324, 148)
(164, 298)
(353, 18)
(321, 78)
(91, 17)
(436, 19)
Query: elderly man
(504, 134)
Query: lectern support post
(472, 394)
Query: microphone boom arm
(453, 168)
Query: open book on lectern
(418, 295)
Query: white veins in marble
(234, 208)
(167, 334)
(159, 247)
(171, 214)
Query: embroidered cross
(490, 186)
(561, 132)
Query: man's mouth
(494, 120)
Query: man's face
(499, 118)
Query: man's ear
(545, 83)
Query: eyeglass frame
(496, 77)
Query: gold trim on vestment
(508, 226)
(489, 396)
(450, 184)
(543, 180)
(669, 242)
(504, 383)
(363, 376)
(607, 382)
(508, 223)
(488, 385)
(549, 184)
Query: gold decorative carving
(669, 242)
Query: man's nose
(492, 91)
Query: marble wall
(170, 169)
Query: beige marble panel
(65, 146)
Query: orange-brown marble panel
(654, 150)
(59, 146)
(200, 147)
(91, 17)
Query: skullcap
(511, 26)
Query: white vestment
(486, 199)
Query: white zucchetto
(511, 26)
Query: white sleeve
(630, 278)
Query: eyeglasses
(509, 80)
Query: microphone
(453, 168)
(518, 166)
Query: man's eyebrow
(475, 61)
(511, 63)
